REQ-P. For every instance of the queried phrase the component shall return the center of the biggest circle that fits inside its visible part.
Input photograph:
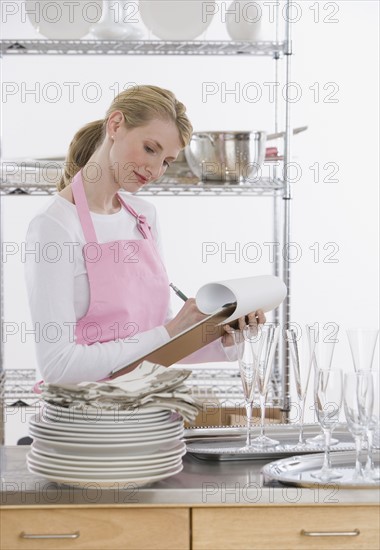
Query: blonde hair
(139, 105)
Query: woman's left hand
(253, 319)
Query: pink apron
(129, 287)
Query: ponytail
(82, 146)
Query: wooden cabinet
(95, 528)
(315, 527)
(286, 527)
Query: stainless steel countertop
(200, 483)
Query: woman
(99, 290)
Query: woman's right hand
(189, 315)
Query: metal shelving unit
(273, 186)
(140, 47)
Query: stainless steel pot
(229, 157)
(226, 157)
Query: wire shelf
(264, 187)
(17, 385)
(224, 385)
(140, 47)
(219, 383)
(40, 177)
(20, 179)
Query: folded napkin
(145, 387)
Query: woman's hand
(253, 319)
(189, 315)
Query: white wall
(338, 59)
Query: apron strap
(142, 224)
(85, 217)
(82, 209)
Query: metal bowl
(226, 157)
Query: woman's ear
(114, 122)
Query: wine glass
(301, 375)
(373, 431)
(328, 391)
(358, 405)
(246, 343)
(362, 344)
(268, 336)
(323, 356)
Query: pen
(178, 292)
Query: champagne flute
(302, 379)
(373, 432)
(362, 344)
(246, 343)
(268, 339)
(328, 393)
(358, 405)
(323, 356)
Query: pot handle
(282, 134)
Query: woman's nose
(155, 169)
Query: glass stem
(302, 416)
(248, 408)
(326, 459)
(358, 447)
(369, 467)
(262, 422)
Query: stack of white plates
(105, 447)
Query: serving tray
(298, 471)
(225, 443)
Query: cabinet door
(105, 528)
(285, 527)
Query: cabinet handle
(354, 533)
(75, 535)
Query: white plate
(116, 419)
(104, 415)
(97, 414)
(148, 456)
(91, 410)
(84, 431)
(103, 442)
(107, 449)
(112, 440)
(125, 466)
(117, 440)
(116, 424)
(103, 473)
(107, 483)
(164, 424)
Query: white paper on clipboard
(222, 302)
(264, 292)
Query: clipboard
(192, 339)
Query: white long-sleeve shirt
(59, 293)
